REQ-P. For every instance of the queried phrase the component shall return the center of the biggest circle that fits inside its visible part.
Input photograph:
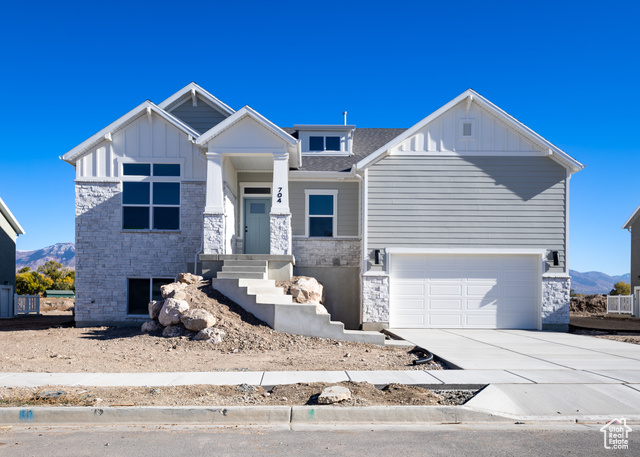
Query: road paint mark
(26, 415)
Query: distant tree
(621, 288)
(50, 276)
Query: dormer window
(324, 143)
(325, 140)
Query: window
(324, 143)
(151, 198)
(141, 291)
(321, 213)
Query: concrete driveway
(471, 349)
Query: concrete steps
(245, 282)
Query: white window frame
(345, 143)
(307, 216)
(150, 291)
(151, 180)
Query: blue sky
(568, 70)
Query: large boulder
(169, 290)
(197, 319)
(188, 278)
(173, 331)
(151, 327)
(155, 307)
(334, 394)
(307, 290)
(171, 311)
(210, 335)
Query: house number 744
(279, 195)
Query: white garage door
(464, 291)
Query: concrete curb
(245, 415)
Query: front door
(257, 238)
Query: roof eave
(13, 222)
(632, 219)
(207, 96)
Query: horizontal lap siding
(201, 117)
(479, 202)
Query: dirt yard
(30, 344)
(362, 394)
(588, 317)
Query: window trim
(151, 180)
(307, 216)
(150, 279)
(243, 196)
(345, 142)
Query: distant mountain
(64, 253)
(594, 282)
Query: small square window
(166, 218)
(135, 217)
(316, 143)
(135, 193)
(166, 193)
(332, 143)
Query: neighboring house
(459, 221)
(633, 225)
(9, 231)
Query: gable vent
(467, 130)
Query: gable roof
(632, 219)
(248, 112)
(13, 222)
(190, 90)
(556, 153)
(147, 106)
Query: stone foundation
(280, 234)
(375, 300)
(327, 252)
(556, 303)
(213, 233)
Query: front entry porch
(277, 267)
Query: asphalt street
(435, 440)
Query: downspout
(195, 262)
(363, 243)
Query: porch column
(280, 215)
(213, 216)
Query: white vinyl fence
(620, 304)
(26, 304)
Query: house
(458, 221)
(9, 231)
(633, 225)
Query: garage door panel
(435, 304)
(457, 291)
(445, 320)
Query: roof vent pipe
(344, 113)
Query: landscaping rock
(334, 394)
(155, 307)
(173, 331)
(197, 319)
(307, 290)
(171, 311)
(210, 335)
(151, 327)
(168, 290)
(188, 278)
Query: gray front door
(257, 238)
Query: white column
(214, 200)
(213, 217)
(280, 193)
(280, 217)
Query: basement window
(140, 291)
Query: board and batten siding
(467, 201)
(201, 117)
(143, 141)
(348, 205)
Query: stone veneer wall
(375, 299)
(327, 252)
(106, 255)
(556, 302)
(213, 234)
(280, 234)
